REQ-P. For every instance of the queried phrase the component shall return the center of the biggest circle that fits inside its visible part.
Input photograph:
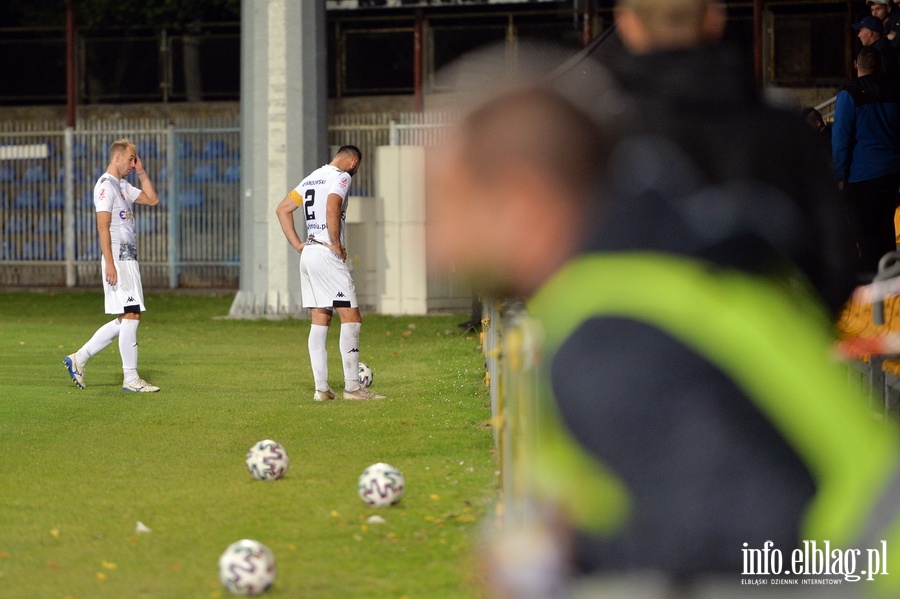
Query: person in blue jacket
(866, 154)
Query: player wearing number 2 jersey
(325, 282)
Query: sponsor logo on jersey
(354, 350)
(344, 181)
(126, 215)
(341, 294)
(129, 300)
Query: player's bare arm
(333, 215)
(148, 195)
(285, 214)
(103, 221)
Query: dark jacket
(705, 170)
(888, 56)
(704, 102)
(893, 25)
(865, 138)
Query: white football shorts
(325, 280)
(128, 290)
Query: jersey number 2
(308, 204)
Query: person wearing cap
(871, 31)
(882, 10)
(866, 153)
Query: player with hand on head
(114, 199)
(325, 282)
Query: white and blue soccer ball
(366, 376)
(381, 485)
(247, 567)
(267, 460)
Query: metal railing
(47, 217)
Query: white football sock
(318, 355)
(128, 348)
(102, 337)
(350, 354)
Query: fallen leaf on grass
(376, 519)
(54, 533)
(140, 527)
(101, 576)
(109, 565)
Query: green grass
(81, 467)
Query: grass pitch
(81, 467)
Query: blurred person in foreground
(698, 93)
(690, 408)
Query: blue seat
(34, 250)
(7, 173)
(205, 173)
(80, 148)
(87, 200)
(18, 223)
(8, 250)
(36, 173)
(89, 252)
(183, 148)
(57, 199)
(28, 198)
(86, 221)
(147, 149)
(98, 172)
(4, 198)
(48, 224)
(59, 251)
(191, 198)
(77, 174)
(146, 224)
(232, 173)
(215, 148)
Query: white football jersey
(312, 195)
(117, 197)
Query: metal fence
(47, 218)
(192, 239)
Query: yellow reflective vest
(775, 344)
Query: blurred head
(347, 158)
(511, 195)
(868, 61)
(122, 156)
(814, 118)
(651, 25)
(870, 29)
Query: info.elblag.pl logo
(812, 563)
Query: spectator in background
(871, 32)
(815, 120)
(698, 94)
(893, 26)
(882, 10)
(866, 155)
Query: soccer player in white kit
(325, 282)
(114, 198)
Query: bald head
(510, 195)
(650, 25)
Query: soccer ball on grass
(381, 485)
(366, 375)
(247, 567)
(267, 460)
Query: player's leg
(318, 354)
(351, 323)
(101, 338)
(130, 292)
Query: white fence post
(69, 206)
